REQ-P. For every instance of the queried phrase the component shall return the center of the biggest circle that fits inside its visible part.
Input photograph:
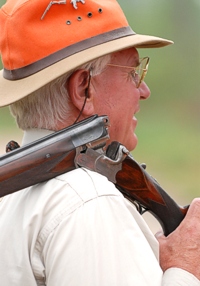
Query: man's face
(116, 95)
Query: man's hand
(182, 247)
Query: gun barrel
(50, 156)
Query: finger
(194, 210)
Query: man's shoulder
(88, 183)
(46, 204)
(68, 190)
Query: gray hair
(51, 104)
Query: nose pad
(137, 79)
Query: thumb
(159, 235)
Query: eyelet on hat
(100, 10)
(68, 22)
(89, 14)
(79, 18)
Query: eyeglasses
(138, 73)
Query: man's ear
(79, 88)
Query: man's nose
(144, 91)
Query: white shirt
(77, 229)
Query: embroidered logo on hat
(73, 2)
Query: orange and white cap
(42, 40)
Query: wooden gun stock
(146, 191)
(136, 184)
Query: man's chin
(132, 143)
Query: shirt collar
(31, 135)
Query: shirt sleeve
(179, 277)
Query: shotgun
(83, 145)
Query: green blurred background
(169, 122)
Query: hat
(40, 40)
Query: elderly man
(64, 61)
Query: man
(64, 61)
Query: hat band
(66, 52)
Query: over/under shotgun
(82, 145)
